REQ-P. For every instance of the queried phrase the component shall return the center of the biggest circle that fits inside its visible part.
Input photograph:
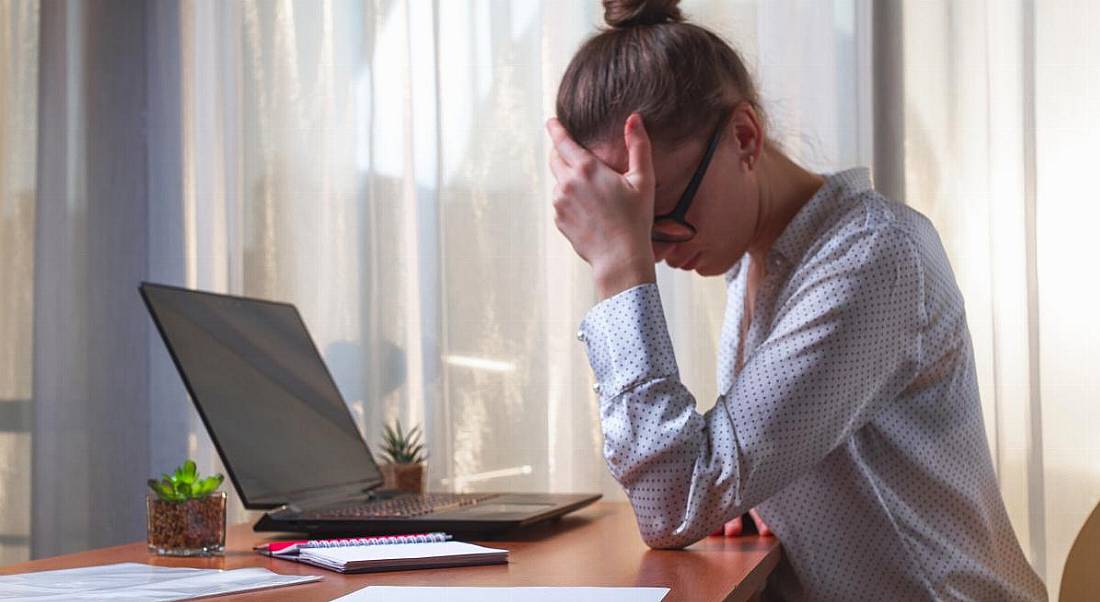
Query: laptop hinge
(313, 500)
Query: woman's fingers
(734, 527)
(640, 170)
(761, 527)
(558, 166)
(570, 151)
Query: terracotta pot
(404, 477)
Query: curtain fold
(382, 165)
(1065, 406)
(19, 22)
(90, 374)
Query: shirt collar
(735, 270)
(802, 229)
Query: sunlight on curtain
(18, 130)
(519, 415)
(1067, 144)
(1001, 137)
(271, 199)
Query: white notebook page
(377, 593)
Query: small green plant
(399, 447)
(184, 484)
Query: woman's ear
(748, 133)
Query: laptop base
(489, 519)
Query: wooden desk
(598, 545)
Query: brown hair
(681, 77)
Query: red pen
(291, 548)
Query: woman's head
(678, 75)
(684, 81)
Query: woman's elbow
(665, 544)
(666, 537)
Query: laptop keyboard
(404, 506)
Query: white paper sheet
(134, 581)
(378, 593)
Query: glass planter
(191, 528)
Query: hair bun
(628, 13)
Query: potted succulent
(186, 514)
(404, 455)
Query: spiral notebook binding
(379, 540)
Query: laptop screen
(264, 393)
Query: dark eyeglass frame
(677, 214)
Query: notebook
(382, 593)
(389, 553)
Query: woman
(849, 415)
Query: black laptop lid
(268, 401)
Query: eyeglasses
(672, 227)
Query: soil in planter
(187, 528)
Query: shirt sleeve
(842, 345)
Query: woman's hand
(736, 527)
(606, 215)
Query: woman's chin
(702, 270)
(708, 270)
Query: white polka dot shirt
(853, 425)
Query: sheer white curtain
(382, 165)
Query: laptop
(287, 438)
